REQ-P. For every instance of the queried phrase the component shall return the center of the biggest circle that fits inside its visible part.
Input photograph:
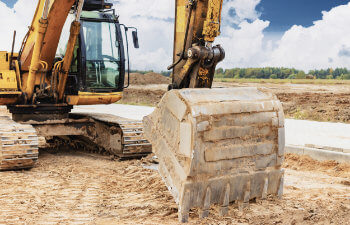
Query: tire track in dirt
(79, 188)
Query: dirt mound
(141, 97)
(148, 78)
(306, 163)
(316, 106)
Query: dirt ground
(300, 101)
(148, 78)
(312, 101)
(72, 187)
(68, 187)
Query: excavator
(214, 145)
(73, 54)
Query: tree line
(282, 73)
(164, 73)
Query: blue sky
(283, 14)
(9, 3)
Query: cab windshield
(102, 55)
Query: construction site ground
(76, 187)
(318, 102)
(70, 187)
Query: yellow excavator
(214, 145)
(73, 54)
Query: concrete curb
(319, 154)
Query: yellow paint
(211, 28)
(88, 98)
(63, 74)
(203, 75)
(4, 63)
(18, 75)
(204, 27)
(181, 19)
(58, 12)
(8, 80)
(35, 62)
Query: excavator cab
(98, 64)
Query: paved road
(298, 132)
(127, 111)
(323, 134)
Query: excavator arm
(41, 45)
(197, 24)
(49, 18)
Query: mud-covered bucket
(217, 146)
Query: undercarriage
(115, 135)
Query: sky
(304, 34)
(283, 14)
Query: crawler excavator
(214, 145)
(59, 66)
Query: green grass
(284, 81)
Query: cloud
(235, 12)
(243, 46)
(155, 23)
(324, 44)
(241, 29)
(17, 18)
(344, 51)
(242, 34)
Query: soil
(148, 78)
(317, 106)
(72, 187)
(300, 101)
(310, 101)
(138, 96)
(69, 187)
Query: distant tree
(280, 72)
(274, 76)
(220, 71)
(345, 77)
(292, 76)
(300, 75)
(166, 73)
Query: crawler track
(133, 142)
(18, 145)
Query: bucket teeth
(217, 146)
(206, 206)
(266, 184)
(225, 201)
